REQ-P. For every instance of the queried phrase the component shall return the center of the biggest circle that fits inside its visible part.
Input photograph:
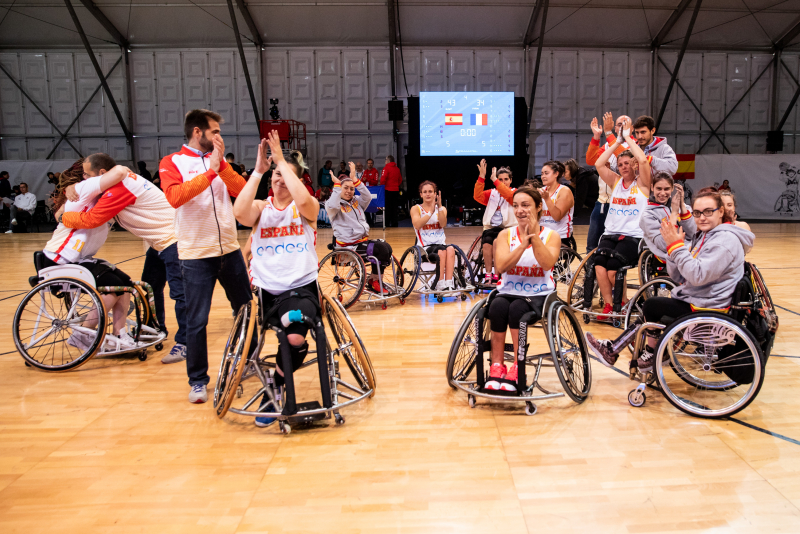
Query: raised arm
(441, 211)
(364, 194)
(246, 209)
(645, 178)
(607, 175)
(232, 179)
(307, 205)
(479, 194)
(333, 206)
(113, 177)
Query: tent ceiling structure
(630, 24)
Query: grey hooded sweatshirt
(347, 218)
(709, 279)
(650, 223)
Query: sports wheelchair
(342, 274)
(467, 363)
(564, 270)
(707, 364)
(62, 300)
(247, 356)
(419, 266)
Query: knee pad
(298, 355)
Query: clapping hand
(596, 128)
(482, 168)
(263, 162)
(608, 122)
(218, 154)
(276, 151)
(670, 233)
(677, 198)
(334, 178)
(494, 174)
(439, 199)
(352, 170)
(625, 130)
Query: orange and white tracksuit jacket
(204, 222)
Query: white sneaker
(14, 222)
(440, 285)
(80, 341)
(449, 284)
(199, 394)
(10, 232)
(125, 340)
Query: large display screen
(466, 123)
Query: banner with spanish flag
(453, 119)
(685, 167)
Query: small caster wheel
(530, 408)
(159, 346)
(339, 419)
(586, 318)
(439, 298)
(463, 296)
(143, 356)
(636, 398)
(471, 400)
(239, 391)
(402, 300)
(616, 323)
(384, 306)
(285, 428)
(27, 364)
(340, 298)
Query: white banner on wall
(766, 186)
(34, 173)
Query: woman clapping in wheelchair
(525, 255)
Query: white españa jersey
(625, 207)
(284, 250)
(70, 245)
(562, 227)
(527, 278)
(431, 233)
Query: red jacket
(391, 177)
(370, 177)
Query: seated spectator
(343, 169)
(5, 191)
(370, 176)
(324, 176)
(143, 172)
(23, 207)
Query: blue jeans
(597, 225)
(199, 279)
(160, 268)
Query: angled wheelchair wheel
(708, 365)
(475, 259)
(658, 287)
(396, 280)
(342, 275)
(564, 270)
(576, 289)
(410, 264)
(463, 352)
(347, 343)
(462, 270)
(51, 325)
(570, 353)
(234, 360)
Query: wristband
(257, 175)
(609, 134)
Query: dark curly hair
(71, 176)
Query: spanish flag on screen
(479, 119)
(453, 119)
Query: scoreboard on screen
(466, 123)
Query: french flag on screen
(479, 119)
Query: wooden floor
(115, 447)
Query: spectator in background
(725, 186)
(306, 179)
(359, 171)
(570, 178)
(52, 179)
(391, 179)
(229, 158)
(658, 152)
(370, 177)
(143, 172)
(324, 178)
(15, 191)
(343, 169)
(5, 185)
(23, 207)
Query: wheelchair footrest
(499, 392)
(300, 419)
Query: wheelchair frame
(462, 274)
(357, 264)
(477, 322)
(240, 364)
(71, 281)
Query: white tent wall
(341, 94)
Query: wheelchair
(708, 364)
(342, 274)
(564, 270)
(247, 357)
(63, 299)
(468, 363)
(650, 266)
(583, 291)
(423, 268)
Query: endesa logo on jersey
(525, 287)
(283, 248)
(619, 211)
(282, 231)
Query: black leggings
(488, 236)
(664, 310)
(569, 242)
(627, 246)
(294, 303)
(377, 248)
(508, 310)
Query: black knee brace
(298, 357)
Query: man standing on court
(391, 179)
(198, 183)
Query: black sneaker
(645, 362)
(602, 349)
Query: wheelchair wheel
(396, 281)
(348, 343)
(570, 353)
(475, 259)
(650, 267)
(410, 264)
(575, 289)
(342, 275)
(48, 318)
(564, 270)
(708, 365)
(234, 360)
(462, 270)
(464, 350)
(658, 287)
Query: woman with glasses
(707, 267)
